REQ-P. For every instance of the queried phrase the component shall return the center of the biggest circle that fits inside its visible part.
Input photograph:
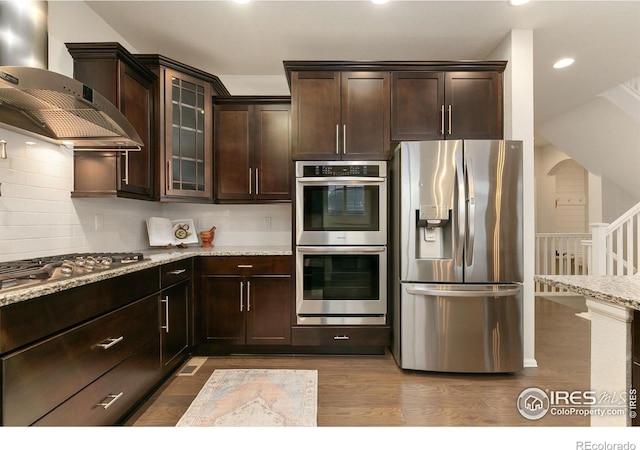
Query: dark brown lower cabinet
(175, 308)
(360, 339)
(635, 363)
(43, 376)
(87, 356)
(110, 397)
(244, 301)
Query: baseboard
(530, 362)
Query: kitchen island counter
(152, 258)
(618, 290)
(611, 301)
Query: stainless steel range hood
(62, 110)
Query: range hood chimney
(62, 110)
(46, 104)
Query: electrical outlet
(267, 223)
(99, 222)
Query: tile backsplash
(38, 217)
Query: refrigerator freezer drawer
(461, 328)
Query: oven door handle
(342, 249)
(342, 180)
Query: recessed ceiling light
(380, 2)
(241, 2)
(518, 2)
(564, 62)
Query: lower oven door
(341, 285)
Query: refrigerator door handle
(461, 223)
(471, 211)
(414, 290)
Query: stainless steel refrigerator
(457, 264)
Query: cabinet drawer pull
(337, 139)
(344, 337)
(176, 272)
(450, 119)
(245, 266)
(250, 177)
(241, 295)
(110, 400)
(110, 342)
(442, 120)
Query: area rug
(255, 398)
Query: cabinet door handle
(168, 177)
(449, 119)
(165, 301)
(176, 272)
(337, 139)
(257, 185)
(110, 342)
(344, 337)
(344, 138)
(126, 167)
(106, 402)
(241, 295)
(250, 177)
(442, 120)
(248, 296)
(245, 266)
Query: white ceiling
(228, 39)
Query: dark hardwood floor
(371, 391)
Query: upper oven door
(341, 211)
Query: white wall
(517, 48)
(38, 217)
(604, 140)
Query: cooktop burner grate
(14, 273)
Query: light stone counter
(152, 258)
(618, 290)
(611, 301)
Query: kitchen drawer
(346, 336)
(246, 265)
(41, 377)
(175, 272)
(110, 397)
(25, 322)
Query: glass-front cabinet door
(188, 149)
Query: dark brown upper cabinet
(111, 70)
(184, 128)
(339, 114)
(429, 105)
(252, 149)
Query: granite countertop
(152, 258)
(619, 290)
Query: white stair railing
(616, 246)
(560, 254)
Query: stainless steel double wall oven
(341, 242)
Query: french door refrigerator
(457, 264)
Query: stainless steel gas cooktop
(30, 272)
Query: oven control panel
(350, 170)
